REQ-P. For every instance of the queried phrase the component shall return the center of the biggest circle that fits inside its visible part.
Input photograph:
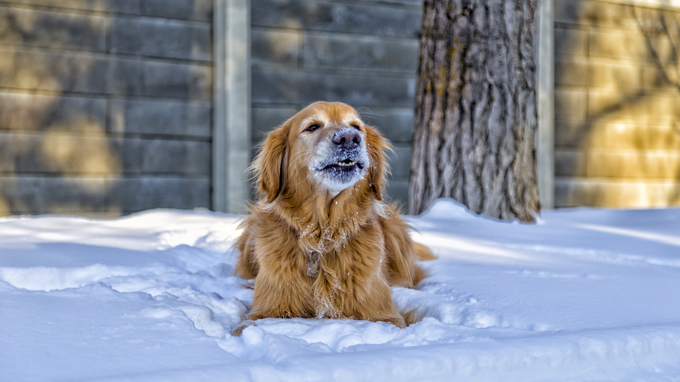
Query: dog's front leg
(381, 307)
(282, 294)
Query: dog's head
(325, 146)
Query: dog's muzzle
(346, 153)
(345, 158)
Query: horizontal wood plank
(374, 19)
(60, 154)
(111, 195)
(102, 75)
(196, 10)
(302, 87)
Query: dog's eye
(356, 126)
(312, 127)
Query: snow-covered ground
(584, 295)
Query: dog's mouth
(342, 170)
(345, 165)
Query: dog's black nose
(347, 138)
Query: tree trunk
(475, 114)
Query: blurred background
(106, 106)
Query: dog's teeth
(344, 164)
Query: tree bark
(475, 113)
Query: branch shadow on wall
(663, 41)
(627, 141)
(54, 153)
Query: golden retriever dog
(320, 242)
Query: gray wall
(363, 53)
(105, 105)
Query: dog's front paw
(242, 326)
(397, 321)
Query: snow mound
(448, 209)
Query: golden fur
(364, 244)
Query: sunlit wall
(617, 103)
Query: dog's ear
(379, 168)
(269, 165)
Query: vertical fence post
(545, 139)
(231, 105)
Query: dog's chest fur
(351, 255)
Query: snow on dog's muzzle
(342, 160)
